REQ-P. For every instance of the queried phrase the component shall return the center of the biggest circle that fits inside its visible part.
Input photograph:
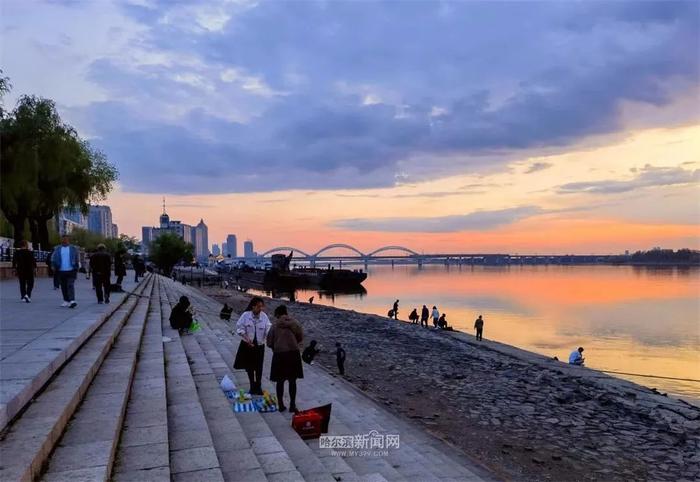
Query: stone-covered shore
(522, 415)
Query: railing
(7, 254)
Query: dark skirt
(249, 357)
(286, 366)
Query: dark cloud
(476, 221)
(649, 176)
(538, 166)
(348, 95)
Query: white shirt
(574, 357)
(65, 259)
(436, 313)
(249, 326)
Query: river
(628, 319)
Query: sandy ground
(519, 414)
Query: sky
(539, 127)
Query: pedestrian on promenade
(66, 261)
(119, 267)
(285, 338)
(396, 309)
(414, 316)
(310, 353)
(424, 315)
(225, 313)
(25, 266)
(139, 268)
(181, 316)
(100, 266)
(340, 358)
(479, 325)
(253, 327)
(576, 357)
(436, 316)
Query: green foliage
(45, 166)
(167, 250)
(89, 241)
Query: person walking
(396, 309)
(24, 265)
(181, 316)
(340, 358)
(285, 337)
(100, 266)
(66, 261)
(436, 316)
(139, 267)
(119, 267)
(253, 327)
(424, 315)
(479, 325)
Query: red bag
(313, 422)
(307, 424)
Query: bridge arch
(283, 249)
(339, 245)
(392, 248)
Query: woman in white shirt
(252, 327)
(436, 316)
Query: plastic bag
(227, 384)
(195, 327)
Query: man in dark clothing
(100, 265)
(424, 315)
(119, 267)
(25, 265)
(340, 358)
(396, 309)
(479, 325)
(310, 352)
(139, 268)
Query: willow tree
(45, 166)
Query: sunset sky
(441, 126)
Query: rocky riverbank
(522, 415)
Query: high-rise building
(201, 241)
(224, 249)
(69, 219)
(115, 231)
(100, 220)
(166, 225)
(215, 249)
(248, 251)
(231, 246)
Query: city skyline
(570, 128)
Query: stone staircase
(137, 402)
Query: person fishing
(181, 316)
(253, 327)
(285, 337)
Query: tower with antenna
(164, 218)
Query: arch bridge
(357, 252)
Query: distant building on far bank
(248, 250)
(100, 220)
(231, 246)
(166, 225)
(201, 241)
(69, 219)
(215, 249)
(115, 231)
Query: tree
(167, 250)
(46, 166)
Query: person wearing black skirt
(284, 338)
(253, 327)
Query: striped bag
(248, 406)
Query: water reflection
(629, 318)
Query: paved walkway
(37, 338)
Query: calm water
(630, 319)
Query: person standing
(119, 267)
(340, 358)
(24, 265)
(253, 327)
(100, 266)
(436, 316)
(396, 309)
(138, 266)
(284, 338)
(66, 261)
(479, 325)
(424, 315)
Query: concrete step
(143, 452)
(192, 452)
(89, 442)
(28, 441)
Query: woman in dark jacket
(25, 265)
(181, 315)
(284, 338)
